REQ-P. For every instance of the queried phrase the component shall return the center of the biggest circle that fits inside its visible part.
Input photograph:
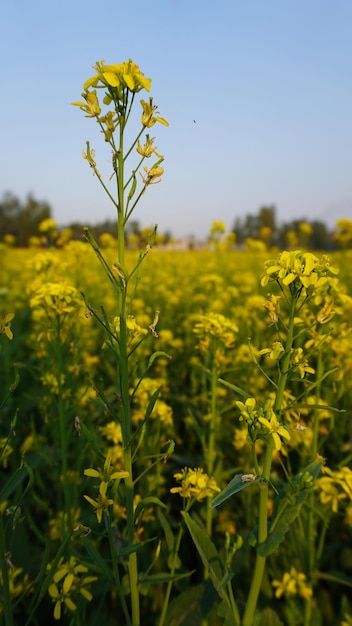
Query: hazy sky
(268, 82)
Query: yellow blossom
(147, 150)
(275, 429)
(134, 330)
(46, 225)
(153, 174)
(67, 582)
(108, 474)
(272, 306)
(298, 269)
(275, 352)
(215, 327)
(195, 484)
(126, 75)
(293, 583)
(101, 505)
(300, 363)
(5, 324)
(91, 106)
(149, 115)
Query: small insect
(78, 425)
(247, 478)
(300, 426)
(194, 122)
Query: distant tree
(267, 217)
(321, 238)
(252, 226)
(21, 220)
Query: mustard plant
(131, 178)
(305, 299)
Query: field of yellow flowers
(222, 368)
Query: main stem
(124, 392)
(260, 561)
(212, 437)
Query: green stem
(62, 419)
(5, 578)
(172, 572)
(264, 484)
(210, 453)
(116, 572)
(124, 385)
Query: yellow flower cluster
(59, 298)
(195, 484)
(257, 416)
(68, 581)
(293, 583)
(298, 269)
(214, 327)
(107, 475)
(5, 324)
(336, 487)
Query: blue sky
(267, 81)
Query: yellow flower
(215, 326)
(147, 150)
(68, 581)
(153, 175)
(101, 505)
(275, 429)
(149, 116)
(293, 583)
(126, 75)
(134, 330)
(112, 431)
(5, 324)
(272, 306)
(108, 474)
(326, 313)
(195, 484)
(299, 270)
(91, 106)
(247, 409)
(46, 225)
(300, 363)
(275, 352)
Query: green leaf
(287, 507)
(224, 611)
(169, 536)
(192, 606)
(165, 577)
(97, 559)
(147, 502)
(155, 355)
(151, 403)
(208, 553)
(238, 390)
(238, 483)
(268, 617)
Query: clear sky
(268, 82)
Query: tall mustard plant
(301, 303)
(119, 84)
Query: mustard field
(237, 381)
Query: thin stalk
(116, 573)
(172, 572)
(124, 386)
(210, 453)
(5, 579)
(264, 484)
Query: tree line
(19, 222)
